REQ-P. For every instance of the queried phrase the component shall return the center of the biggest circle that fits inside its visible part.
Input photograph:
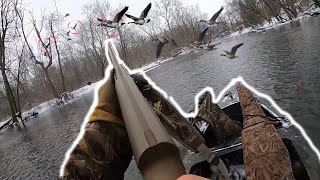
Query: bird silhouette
(115, 22)
(232, 54)
(198, 41)
(214, 18)
(162, 42)
(141, 20)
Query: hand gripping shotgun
(156, 154)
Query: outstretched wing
(102, 24)
(145, 11)
(216, 15)
(120, 14)
(172, 42)
(74, 27)
(159, 49)
(132, 17)
(227, 52)
(234, 49)
(201, 35)
(104, 20)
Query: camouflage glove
(108, 108)
(104, 151)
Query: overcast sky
(73, 7)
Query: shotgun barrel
(156, 154)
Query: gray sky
(74, 8)
(135, 6)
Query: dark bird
(141, 20)
(89, 83)
(47, 46)
(213, 19)
(74, 27)
(68, 33)
(115, 22)
(162, 42)
(69, 39)
(66, 15)
(34, 114)
(232, 54)
(200, 37)
(209, 46)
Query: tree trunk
(52, 88)
(8, 94)
(59, 59)
(17, 91)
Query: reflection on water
(273, 62)
(37, 151)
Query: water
(37, 151)
(272, 62)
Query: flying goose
(232, 54)
(115, 22)
(74, 27)
(141, 20)
(163, 41)
(213, 19)
(47, 45)
(209, 46)
(200, 37)
(66, 15)
(68, 33)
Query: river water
(272, 62)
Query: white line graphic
(215, 99)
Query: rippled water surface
(272, 62)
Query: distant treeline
(40, 58)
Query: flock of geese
(198, 43)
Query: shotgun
(156, 155)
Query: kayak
(231, 152)
(223, 136)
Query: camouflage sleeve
(104, 152)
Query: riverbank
(54, 103)
(76, 94)
(71, 96)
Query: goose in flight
(115, 22)
(213, 19)
(142, 19)
(74, 27)
(232, 54)
(209, 46)
(47, 45)
(162, 42)
(200, 37)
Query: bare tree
(7, 21)
(47, 51)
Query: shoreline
(78, 93)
